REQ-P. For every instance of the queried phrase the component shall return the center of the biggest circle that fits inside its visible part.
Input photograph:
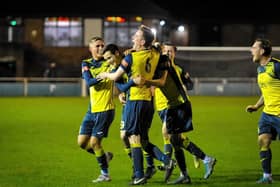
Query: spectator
(51, 73)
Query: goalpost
(220, 70)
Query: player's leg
(150, 169)
(126, 144)
(102, 121)
(209, 162)
(85, 133)
(166, 139)
(132, 126)
(265, 157)
(184, 116)
(101, 159)
(267, 133)
(148, 153)
(152, 150)
(137, 159)
(196, 160)
(181, 161)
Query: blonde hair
(94, 39)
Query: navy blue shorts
(179, 119)
(269, 124)
(97, 124)
(138, 117)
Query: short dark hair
(265, 44)
(170, 44)
(113, 48)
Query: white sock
(267, 175)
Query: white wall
(92, 27)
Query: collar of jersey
(96, 63)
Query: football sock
(193, 149)
(181, 161)
(265, 158)
(149, 159)
(168, 148)
(101, 159)
(156, 153)
(137, 157)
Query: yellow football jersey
(270, 87)
(144, 63)
(101, 94)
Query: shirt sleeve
(162, 66)
(123, 87)
(90, 81)
(277, 69)
(128, 60)
(87, 75)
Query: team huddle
(148, 79)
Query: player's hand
(139, 80)
(101, 76)
(187, 75)
(122, 98)
(85, 68)
(128, 51)
(251, 108)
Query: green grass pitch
(38, 144)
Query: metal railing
(37, 86)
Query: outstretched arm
(112, 76)
(115, 75)
(253, 108)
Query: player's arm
(157, 82)
(186, 78)
(123, 87)
(112, 76)
(160, 75)
(122, 98)
(90, 81)
(117, 74)
(277, 69)
(188, 81)
(253, 108)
